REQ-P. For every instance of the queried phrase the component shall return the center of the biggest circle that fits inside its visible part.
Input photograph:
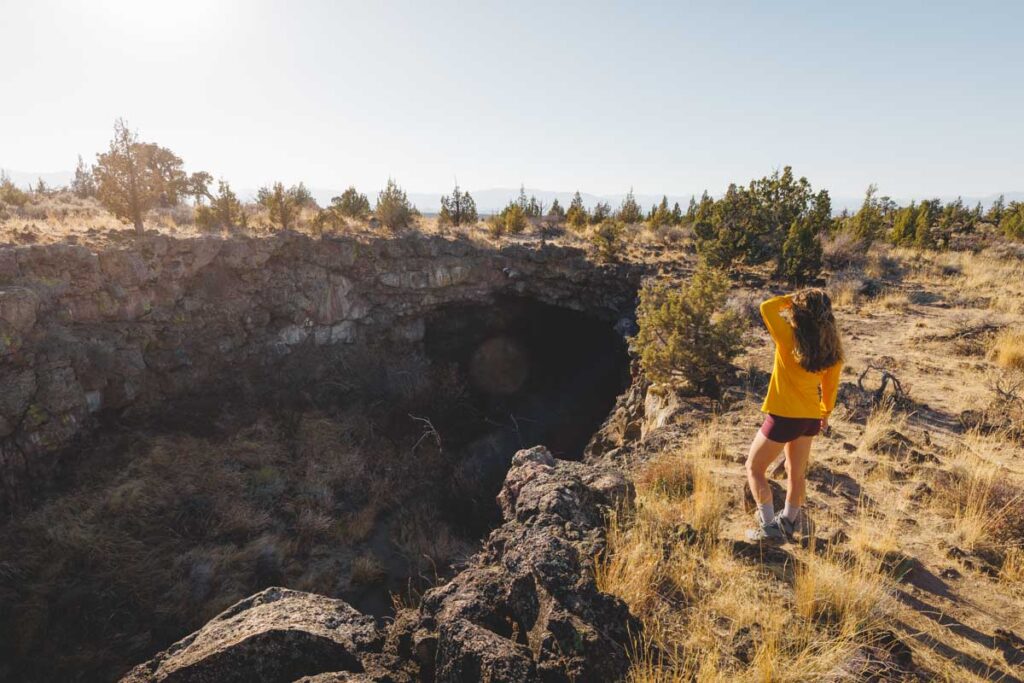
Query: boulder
(275, 635)
(527, 608)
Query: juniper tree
(82, 184)
(602, 212)
(904, 225)
(577, 216)
(691, 209)
(660, 214)
(198, 186)
(926, 215)
(607, 239)
(133, 177)
(10, 193)
(224, 211)
(351, 203)
(1012, 223)
(393, 208)
(457, 209)
(629, 211)
(995, 212)
(556, 210)
(282, 205)
(677, 214)
(688, 333)
(513, 218)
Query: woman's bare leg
(798, 453)
(763, 452)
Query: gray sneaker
(787, 527)
(766, 531)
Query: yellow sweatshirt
(792, 391)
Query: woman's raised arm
(780, 330)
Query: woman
(801, 395)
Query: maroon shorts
(785, 429)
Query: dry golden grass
(699, 604)
(984, 500)
(1012, 571)
(845, 292)
(1008, 349)
(880, 425)
(894, 300)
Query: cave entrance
(534, 374)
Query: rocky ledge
(526, 607)
(87, 337)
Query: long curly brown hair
(818, 345)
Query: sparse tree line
(133, 178)
(777, 219)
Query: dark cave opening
(536, 374)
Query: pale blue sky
(923, 98)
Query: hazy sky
(923, 98)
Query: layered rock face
(525, 609)
(86, 335)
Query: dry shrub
(367, 570)
(847, 287)
(842, 250)
(426, 540)
(894, 300)
(882, 425)
(1008, 349)
(883, 264)
(984, 501)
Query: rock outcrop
(85, 335)
(526, 608)
(275, 635)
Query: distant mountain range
(492, 200)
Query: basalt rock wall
(87, 334)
